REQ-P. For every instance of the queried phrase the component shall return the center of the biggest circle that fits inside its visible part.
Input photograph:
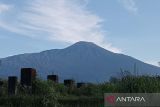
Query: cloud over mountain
(4, 7)
(57, 20)
(129, 5)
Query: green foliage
(45, 89)
(3, 88)
(50, 94)
(139, 84)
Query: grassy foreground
(49, 94)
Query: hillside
(82, 61)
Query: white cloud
(4, 7)
(130, 5)
(59, 20)
(155, 63)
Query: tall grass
(48, 94)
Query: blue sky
(130, 27)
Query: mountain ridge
(82, 60)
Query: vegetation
(50, 94)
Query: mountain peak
(84, 44)
(90, 48)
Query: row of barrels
(28, 75)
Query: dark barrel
(53, 78)
(27, 76)
(69, 82)
(81, 84)
(1, 83)
(12, 85)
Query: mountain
(82, 61)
